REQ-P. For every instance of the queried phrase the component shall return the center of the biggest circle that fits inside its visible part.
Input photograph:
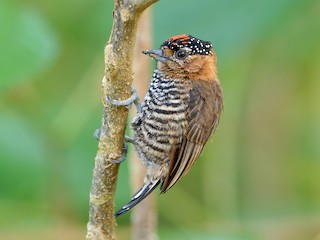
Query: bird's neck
(207, 71)
(201, 68)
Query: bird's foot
(124, 154)
(134, 98)
(97, 133)
(125, 145)
(127, 139)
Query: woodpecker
(178, 114)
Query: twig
(116, 84)
(144, 215)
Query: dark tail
(138, 197)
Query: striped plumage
(179, 112)
(162, 122)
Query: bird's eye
(181, 54)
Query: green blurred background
(259, 178)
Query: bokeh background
(259, 178)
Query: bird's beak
(156, 54)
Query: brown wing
(205, 106)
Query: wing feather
(204, 108)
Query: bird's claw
(124, 154)
(125, 149)
(97, 133)
(129, 139)
(125, 145)
(134, 98)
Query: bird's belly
(156, 131)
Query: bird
(179, 113)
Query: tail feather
(138, 197)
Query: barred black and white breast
(162, 122)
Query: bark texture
(117, 85)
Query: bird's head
(185, 56)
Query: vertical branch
(144, 217)
(116, 84)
